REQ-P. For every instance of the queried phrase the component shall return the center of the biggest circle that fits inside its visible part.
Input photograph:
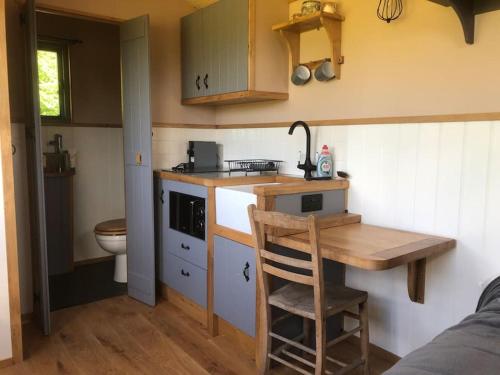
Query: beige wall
(165, 51)
(95, 66)
(418, 65)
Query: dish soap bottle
(325, 163)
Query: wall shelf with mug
(331, 22)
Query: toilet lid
(112, 227)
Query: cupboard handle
(161, 196)
(205, 81)
(246, 272)
(198, 82)
(184, 273)
(185, 247)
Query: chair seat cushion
(299, 299)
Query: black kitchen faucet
(308, 166)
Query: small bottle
(325, 163)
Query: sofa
(469, 348)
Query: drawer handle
(198, 83)
(184, 273)
(205, 81)
(185, 247)
(246, 272)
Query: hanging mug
(301, 75)
(324, 72)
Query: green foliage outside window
(48, 76)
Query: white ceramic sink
(231, 206)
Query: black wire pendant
(389, 10)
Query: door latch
(138, 158)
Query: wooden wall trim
(466, 117)
(9, 198)
(396, 120)
(81, 125)
(167, 125)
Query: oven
(187, 214)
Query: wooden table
(375, 248)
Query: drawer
(186, 247)
(186, 278)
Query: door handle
(185, 247)
(246, 272)
(184, 273)
(198, 83)
(205, 81)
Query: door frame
(9, 198)
(8, 174)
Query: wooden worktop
(301, 186)
(371, 247)
(375, 248)
(288, 184)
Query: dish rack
(254, 165)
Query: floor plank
(122, 336)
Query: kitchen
(423, 159)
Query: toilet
(112, 237)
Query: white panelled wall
(435, 178)
(99, 185)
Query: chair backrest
(270, 263)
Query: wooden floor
(122, 336)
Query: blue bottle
(325, 163)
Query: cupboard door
(211, 47)
(192, 59)
(235, 284)
(233, 45)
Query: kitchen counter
(283, 184)
(225, 179)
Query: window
(53, 81)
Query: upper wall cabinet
(230, 55)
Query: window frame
(63, 68)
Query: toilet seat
(117, 227)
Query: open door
(136, 108)
(41, 306)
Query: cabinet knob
(198, 86)
(184, 273)
(205, 81)
(185, 247)
(246, 272)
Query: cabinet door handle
(198, 86)
(205, 81)
(161, 196)
(184, 273)
(246, 272)
(185, 247)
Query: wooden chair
(307, 295)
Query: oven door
(187, 214)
